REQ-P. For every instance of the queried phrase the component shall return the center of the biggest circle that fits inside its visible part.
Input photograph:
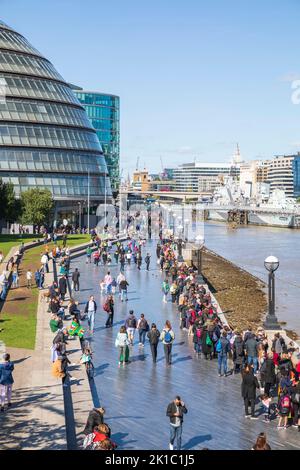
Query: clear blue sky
(194, 76)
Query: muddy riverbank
(241, 296)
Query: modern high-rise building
(46, 138)
(280, 174)
(103, 111)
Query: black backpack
(132, 322)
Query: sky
(194, 77)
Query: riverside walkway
(136, 396)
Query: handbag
(208, 341)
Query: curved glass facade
(46, 137)
(104, 114)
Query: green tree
(298, 200)
(37, 205)
(10, 206)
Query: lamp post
(271, 264)
(199, 243)
(180, 242)
(79, 210)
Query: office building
(280, 174)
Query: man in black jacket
(176, 409)
(62, 283)
(75, 279)
(94, 419)
(153, 335)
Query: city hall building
(46, 138)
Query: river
(248, 247)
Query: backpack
(143, 324)
(106, 307)
(219, 346)
(168, 337)
(132, 322)
(285, 403)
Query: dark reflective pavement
(136, 395)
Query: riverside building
(46, 138)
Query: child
(266, 401)
(102, 287)
(284, 407)
(86, 356)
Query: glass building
(103, 111)
(46, 138)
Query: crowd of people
(269, 370)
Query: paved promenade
(136, 395)
(37, 418)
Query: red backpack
(106, 307)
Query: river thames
(248, 247)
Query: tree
(298, 200)
(37, 205)
(10, 206)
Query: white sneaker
(171, 447)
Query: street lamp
(199, 243)
(271, 264)
(180, 242)
(79, 210)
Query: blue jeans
(197, 347)
(91, 320)
(142, 335)
(222, 359)
(253, 360)
(123, 294)
(176, 433)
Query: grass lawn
(8, 241)
(18, 315)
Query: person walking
(6, 380)
(249, 386)
(175, 411)
(238, 352)
(147, 261)
(44, 261)
(15, 278)
(167, 337)
(296, 406)
(165, 289)
(90, 310)
(142, 327)
(122, 342)
(222, 348)
(75, 280)
(153, 336)
(123, 289)
(130, 325)
(88, 255)
(107, 281)
(95, 418)
(110, 311)
(251, 347)
(29, 279)
(62, 284)
(139, 260)
(268, 372)
(261, 442)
